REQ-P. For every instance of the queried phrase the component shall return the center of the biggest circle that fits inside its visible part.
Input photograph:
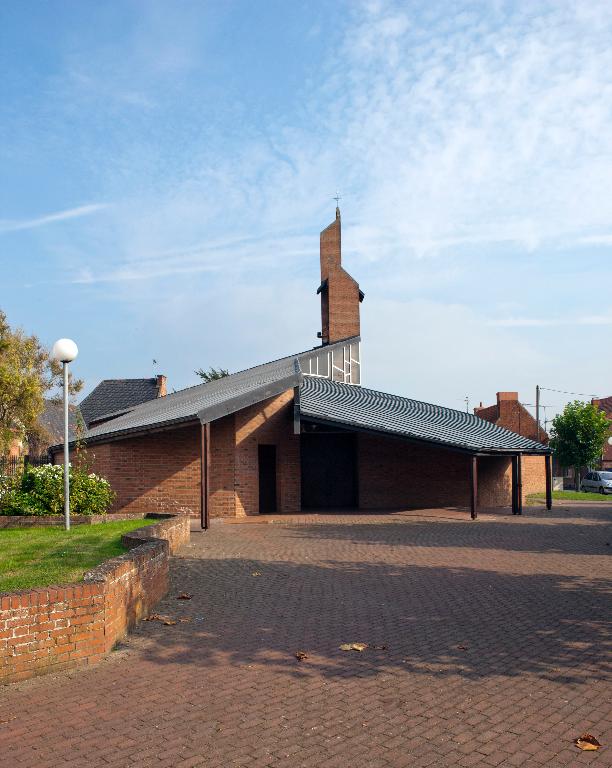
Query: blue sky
(166, 169)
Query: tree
(578, 436)
(212, 374)
(27, 374)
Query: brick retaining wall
(52, 628)
(57, 521)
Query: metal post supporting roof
(204, 474)
(474, 487)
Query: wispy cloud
(6, 225)
(552, 322)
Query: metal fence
(10, 465)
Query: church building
(301, 434)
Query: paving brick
(525, 597)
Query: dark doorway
(267, 478)
(329, 471)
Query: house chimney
(161, 385)
(340, 294)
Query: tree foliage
(578, 435)
(27, 374)
(212, 374)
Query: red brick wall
(494, 482)
(534, 475)
(53, 628)
(396, 475)
(267, 423)
(159, 472)
(340, 299)
(222, 498)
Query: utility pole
(538, 410)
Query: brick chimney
(340, 294)
(161, 386)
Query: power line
(564, 392)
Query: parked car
(595, 482)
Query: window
(340, 364)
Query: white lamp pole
(65, 351)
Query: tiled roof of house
(605, 404)
(116, 396)
(345, 405)
(52, 420)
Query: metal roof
(210, 401)
(331, 402)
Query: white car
(597, 482)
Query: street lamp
(65, 351)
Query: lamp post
(65, 351)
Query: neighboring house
(51, 427)
(509, 413)
(605, 404)
(113, 397)
(300, 433)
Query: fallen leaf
(353, 646)
(184, 596)
(301, 655)
(462, 647)
(185, 620)
(164, 619)
(256, 573)
(587, 742)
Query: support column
(474, 487)
(548, 460)
(204, 474)
(519, 485)
(515, 483)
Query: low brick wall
(57, 521)
(52, 628)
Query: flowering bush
(40, 491)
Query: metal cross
(337, 198)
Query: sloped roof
(209, 401)
(356, 407)
(52, 421)
(605, 405)
(117, 396)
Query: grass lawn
(537, 498)
(38, 557)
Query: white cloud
(50, 218)
(459, 135)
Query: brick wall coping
(48, 629)
(44, 521)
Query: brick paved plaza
(496, 631)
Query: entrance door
(329, 471)
(267, 478)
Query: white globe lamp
(65, 351)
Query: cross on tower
(337, 198)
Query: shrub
(40, 491)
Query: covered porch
(363, 471)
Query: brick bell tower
(340, 294)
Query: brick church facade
(301, 434)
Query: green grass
(38, 557)
(537, 498)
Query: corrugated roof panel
(369, 409)
(205, 401)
